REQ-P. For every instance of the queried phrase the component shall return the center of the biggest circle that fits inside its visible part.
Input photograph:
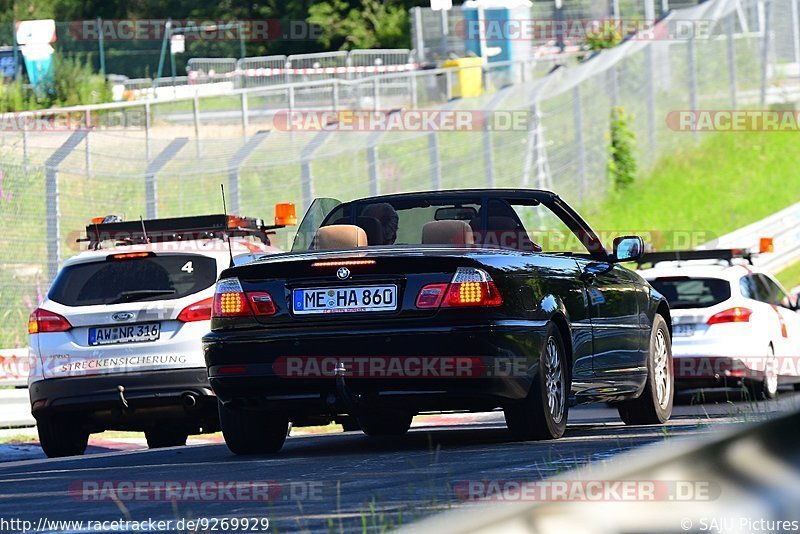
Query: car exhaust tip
(189, 400)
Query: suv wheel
(385, 424)
(654, 405)
(61, 436)
(543, 414)
(768, 388)
(252, 432)
(160, 437)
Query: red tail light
(199, 311)
(46, 321)
(470, 287)
(231, 301)
(261, 302)
(431, 295)
(733, 315)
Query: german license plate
(344, 299)
(682, 330)
(130, 333)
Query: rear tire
(797, 387)
(349, 424)
(543, 413)
(161, 437)
(252, 432)
(768, 388)
(61, 436)
(654, 405)
(385, 424)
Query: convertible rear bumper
(336, 371)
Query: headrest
(447, 233)
(370, 225)
(338, 236)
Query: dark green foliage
(621, 150)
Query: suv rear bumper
(152, 397)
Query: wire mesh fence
(168, 158)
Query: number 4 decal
(187, 267)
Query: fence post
(147, 125)
(335, 95)
(692, 76)
(414, 97)
(196, 113)
(236, 163)
(150, 186)
(372, 169)
(650, 75)
(25, 145)
(245, 117)
(291, 98)
(419, 38)
(52, 207)
(306, 177)
(376, 94)
(101, 46)
(87, 155)
(436, 165)
(488, 160)
(795, 31)
(729, 22)
(448, 86)
(580, 148)
(767, 10)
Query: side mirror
(628, 248)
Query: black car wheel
(385, 424)
(543, 414)
(158, 438)
(61, 436)
(654, 405)
(252, 432)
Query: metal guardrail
(15, 408)
(784, 229)
(747, 473)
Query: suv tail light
(230, 300)
(470, 287)
(47, 321)
(733, 315)
(199, 311)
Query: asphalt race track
(341, 482)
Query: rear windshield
(692, 292)
(133, 280)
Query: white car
(116, 344)
(732, 324)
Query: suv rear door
(124, 313)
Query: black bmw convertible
(445, 301)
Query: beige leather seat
(447, 233)
(338, 236)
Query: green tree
(361, 24)
(621, 150)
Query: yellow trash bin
(468, 81)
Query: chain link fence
(168, 158)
